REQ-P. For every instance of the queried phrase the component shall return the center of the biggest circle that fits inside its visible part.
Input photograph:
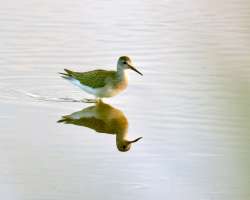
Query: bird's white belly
(106, 91)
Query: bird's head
(124, 62)
(125, 145)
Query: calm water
(192, 106)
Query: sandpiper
(103, 118)
(102, 83)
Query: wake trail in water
(53, 99)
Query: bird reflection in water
(103, 118)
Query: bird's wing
(90, 122)
(94, 79)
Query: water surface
(191, 106)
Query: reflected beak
(133, 141)
(133, 68)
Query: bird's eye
(124, 62)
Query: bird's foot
(91, 100)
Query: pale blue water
(191, 106)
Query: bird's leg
(89, 100)
(98, 100)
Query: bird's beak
(133, 68)
(133, 141)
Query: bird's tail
(62, 120)
(67, 75)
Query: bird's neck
(121, 74)
(121, 134)
(121, 127)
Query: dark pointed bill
(133, 68)
(135, 140)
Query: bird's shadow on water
(103, 118)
